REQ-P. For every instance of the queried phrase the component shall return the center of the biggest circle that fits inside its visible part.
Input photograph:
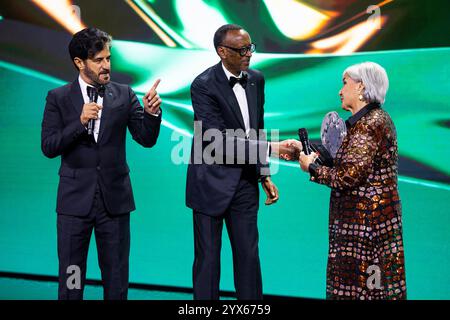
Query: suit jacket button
(98, 168)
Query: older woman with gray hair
(366, 257)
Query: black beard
(93, 77)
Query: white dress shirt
(83, 86)
(239, 92)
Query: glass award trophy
(332, 132)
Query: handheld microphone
(324, 158)
(92, 98)
(303, 137)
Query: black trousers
(241, 222)
(112, 235)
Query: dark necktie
(242, 80)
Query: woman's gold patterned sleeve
(355, 163)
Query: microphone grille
(303, 134)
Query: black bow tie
(242, 80)
(94, 92)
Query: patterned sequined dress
(365, 258)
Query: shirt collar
(83, 85)
(229, 74)
(350, 122)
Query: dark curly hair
(87, 43)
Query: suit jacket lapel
(250, 92)
(75, 96)
(229, 94)
(108, 101)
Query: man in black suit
(222, 181)
(85, 123)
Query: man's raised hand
(151, 100)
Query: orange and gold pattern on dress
(366, 256)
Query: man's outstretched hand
(287, 149)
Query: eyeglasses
(242, 51)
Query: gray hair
(374, 78)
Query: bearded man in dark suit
(85, 123)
